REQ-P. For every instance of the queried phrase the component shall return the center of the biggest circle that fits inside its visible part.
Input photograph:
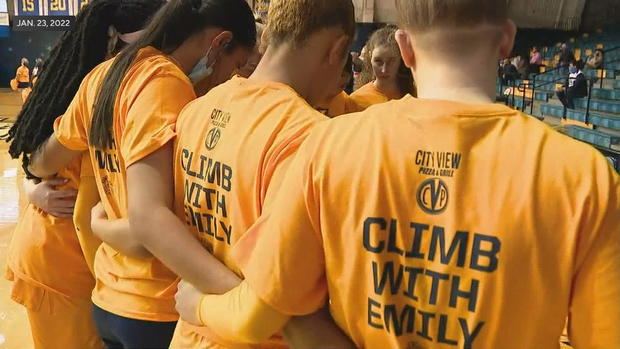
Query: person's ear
(222, 40)
(338, 50)
(112, 40)
(405, 44)
(507, 41)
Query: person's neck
(286, 66)
(389, 88)
(185, 56)
(472, 82)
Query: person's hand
(45, 196)
(187, 302)
(97, 217)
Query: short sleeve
(70, 129)
(282, 255)
(594, 320)
(150, 120)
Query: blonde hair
(423, 15)
(296, 20)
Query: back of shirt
(22, 74)
(151, 95)
(232, 150)
(453, 225)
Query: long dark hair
(77, 52)
(174, 24)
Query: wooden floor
(14, 327)
(10, 103)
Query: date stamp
(42, 23)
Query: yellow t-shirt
(368, 95)
(87, 198)
(150, 97)
(45, 252)
(435, 224)
(232, 150)
(339, 105)
(22, 74)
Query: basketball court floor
(14, 327)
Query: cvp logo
(433, 196)
(213, 136)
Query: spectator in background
(566, 57)
(535, 61)
(500, 68)
(362, 75)
(36, 71)
(521, 65)
(596, 60)
(577, 86)
(509, 72)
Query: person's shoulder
(367, 88)
(286, 103)
(358, 127)
(151, 63)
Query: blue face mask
(572, 70)
(201, 70)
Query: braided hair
(77, 52)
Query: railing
(591, 81)
(522, 87)
(604, 63)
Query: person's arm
(87, 198)
(594, 318)
(116, 233)
(50, 158)
(45, 196)
(239, 315)
(150, 188)
(301, 332)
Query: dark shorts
(119, 332)
(23, 84)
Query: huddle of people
(175, 206)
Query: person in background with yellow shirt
(228, 165)
(124, 115)
(392, 80)
(338, 101)
(23, 74)
(439, 222)
(22, 77)
(49, 262)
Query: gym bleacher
(596, 118)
